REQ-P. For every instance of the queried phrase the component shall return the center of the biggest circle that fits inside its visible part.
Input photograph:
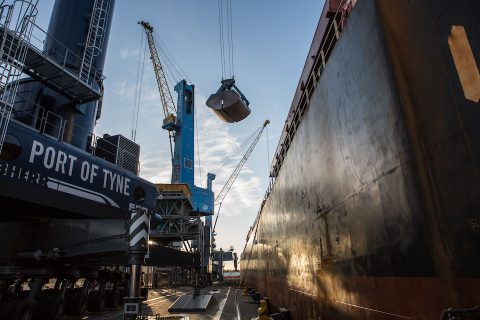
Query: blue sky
(271, 42)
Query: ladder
(16, 23)
(95, 37)
(5, 114)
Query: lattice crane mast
(169, 109)
(226, 188)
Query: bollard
(263, 311)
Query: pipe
(134, 287)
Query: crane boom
(223, 193)
(167, 101)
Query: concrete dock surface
(227, 303)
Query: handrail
(48, 125)
(53, 125)
(67, 59)
(37, 117)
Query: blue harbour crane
(179, 121)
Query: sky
(271, 39)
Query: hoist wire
(161, 46)
(222, 48)
(139, 99)
(231, 31)
(226, 188)
(171, 58)
(229, 40)
(140, 94)
(232, 156)
(230, 36)
(225, 24)
(176, 73)
(237, 152)
(172, 81)
(171, 72)
(135, 97)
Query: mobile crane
(193, 201)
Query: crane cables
(226, 188)
(174, 73)
(225, 22)
(138, 85)
(237, 153)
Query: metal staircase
(15, 19)
(95, 37)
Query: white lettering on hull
(64, 163)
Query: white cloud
(122, 89)
(127, 53)
(155, 166)
(216, 142)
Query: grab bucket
(228, 106)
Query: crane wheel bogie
(114, 298)
(17, 310)
(76, 303)
(50, 307)
(97, 301)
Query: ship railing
(52, 125)
(32, 118)
(335, 27)
(336, 24)
(271, 183)
(56, 51)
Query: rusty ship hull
(374, 207)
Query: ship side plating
(373, 213)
